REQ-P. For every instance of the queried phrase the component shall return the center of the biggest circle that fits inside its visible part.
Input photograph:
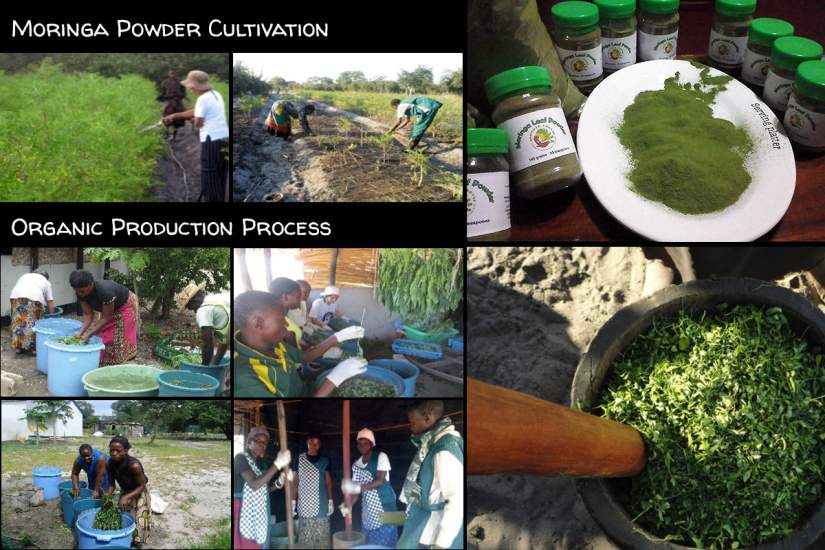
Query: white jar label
(777, 91)
(657, 46)
(727, 50)
(804, 126)
(488, 203)
(581, 64)
(618, 53)
(755, 67)
(537, 137)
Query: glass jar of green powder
(786, 55)
(764, 31)
(488, 185)
(541, 151)
(658, 29)
(729, 34)
(805, 115)
(578, 42)
(618, 24)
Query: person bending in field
(279, 121)
(172, 93)
(213, 315)
(94, 463)
(423, 109)
(209, 116)
(127, 472)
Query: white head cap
(366, 434)
(331, 291)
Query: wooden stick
(515, 433)
(347, 470)
(290, 522)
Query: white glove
(349, 487)
(291, 475)
(294, 509)
(349, 333)
(284, 457)
(333, 353)
(345, 318)
(330, 507)
(346, 369)
(344, 510)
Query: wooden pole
(347, 469)
(515, 433)
(282, 443)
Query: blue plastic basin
(48, 328)
(407, 371)
(67, 485)
(58, 311)
(378, 374)
(89, 537)
(68, 364)
(177, 383)
(47, 477)
(68, 504)
(217, 372)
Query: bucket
(378, 374)
(407, 371)
(81, 505)
(47, 477)
(601, 496)
(69, 364)
(58, 311)
(89, 537)
(67, 485)
(123, 381)
(68, 504)
(45, 329)
(339, 539)
(174, 383)
(217, 372)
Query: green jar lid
(810, 79)
(575, 15)
(486, 141)
(513, 80)
(790, 51)
(765, 30)
(735, 7)
(659, 6)
(616, 9)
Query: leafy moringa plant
(108, 518)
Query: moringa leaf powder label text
(727, 50)
(488, 203)
(581, 64)
(537, 137)
(657, 46)
(618, 53)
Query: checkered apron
(309, 480)
(371, 505)
(254, 521)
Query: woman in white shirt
(209, 116)
(29, 297)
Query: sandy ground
(179, 167)
(311, 168)
(532, 312)
(198, 492)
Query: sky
(299, 67)
(102, 407)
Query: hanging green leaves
(108, 518)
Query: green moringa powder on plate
(681, 156)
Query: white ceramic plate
(605, 162)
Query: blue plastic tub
(423, 350)
(68, 504)
(378, 374)
(89, 538)
(67, 485)
(177, 383)
(58, 311)
(217, 372)
(456, 344)
(81, 505)
(69, 364)
(48, 328)
(406, 370)
(47, 477)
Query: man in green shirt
(265, 366)
(422, 108)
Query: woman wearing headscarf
(312, 496)
(371, 480)
(94, 463)
(29, 297)
(118, 323)
(127, 472)
(251, 488)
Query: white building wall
(13, 427)
(378, 322)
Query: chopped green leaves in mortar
(680, 154)
(731, 405)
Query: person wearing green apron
(265, 366)
(434, 487)
(371, 480)
(423, 109)
(279, 120)
(312, 496)
(212, 312)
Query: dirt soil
(338, 164)
(197, 490)
(34, 383)
(533, 313)
(179, 167)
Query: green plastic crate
(431, 337)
